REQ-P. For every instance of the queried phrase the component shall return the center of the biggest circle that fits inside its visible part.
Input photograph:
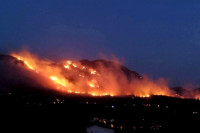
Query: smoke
(97, 78)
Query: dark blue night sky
(160, 38)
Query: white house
(97, 129)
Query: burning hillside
(95, 78)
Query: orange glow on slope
(67, 66)
(58, 81)
(72, 77)
(93, 71)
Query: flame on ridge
(73, 77)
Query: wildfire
(75, 77)
(58, 81)
(66, 66)
(25, 62)
(93, 71)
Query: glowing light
(53, 78)
(29, 66)
(112, 125)
(66, 66)
(81, 75)
(147, 95)
(93, 72)
(112, 95)
(74, 65)
(91, 85)
(58, 81)
(69, 62)
(69, 91)
(93, 94)
(25, 62)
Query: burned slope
(109, 64)
(14, 76)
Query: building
(97, 129)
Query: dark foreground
(38, 112)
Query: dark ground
(72, 113)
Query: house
(97, 129)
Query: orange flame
(73, 77)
